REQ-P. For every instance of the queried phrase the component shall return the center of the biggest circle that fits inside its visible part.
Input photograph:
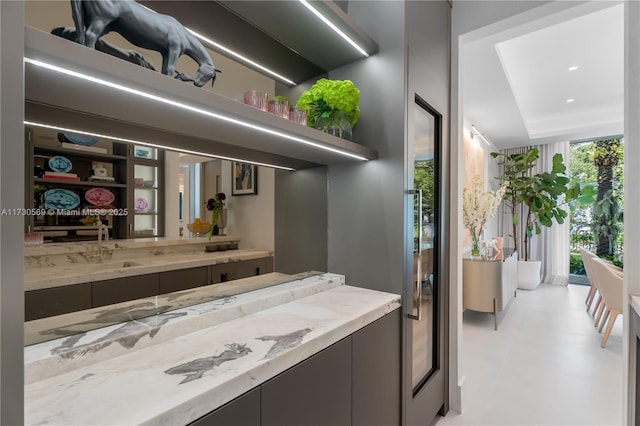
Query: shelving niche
(58, 99)
(122, 164)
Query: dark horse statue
(144, 28)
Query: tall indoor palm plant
(544, 195)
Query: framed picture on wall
(244, 178)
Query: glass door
(424, 377)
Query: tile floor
(544, 365)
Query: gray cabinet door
(377, 373)
(236, 270)
(123, 289)
(242, 411)
(183, 279)
(56, 301)
(315, 392)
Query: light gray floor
(543, 366)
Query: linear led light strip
(476, 132)
(186, 107)
(337, 30)
(236, 55)
(149, 144)
(242, 58)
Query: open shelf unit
(121, 163)
(146, 201)
(206, 122)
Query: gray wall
(301, 220)
(366, 199)
(11, 227)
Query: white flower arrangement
(478, 207)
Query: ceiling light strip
(149, 144)
(236, 55)
(476, 132)
(331, 25)
(187, 107)
(244, 59)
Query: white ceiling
(516, 84)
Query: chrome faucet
(103, 231)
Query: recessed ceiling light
(573, 68)
(570, 100)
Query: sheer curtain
(555, 240)
(552, 245)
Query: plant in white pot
(544, 196)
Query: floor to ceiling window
(598, 227)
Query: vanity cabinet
(183, 279)
(316, 391)
(376, 372)
(118, 290)
(237, 270)
(62, 300)
(242, 411)
(49, 302)
(355, 381)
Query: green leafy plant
(576, 266)
(282, 98)
(544, 195)
(326, 97)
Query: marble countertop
(133, 243)
(635, 303)
(65, 342)
(77, 273)
(186, 376)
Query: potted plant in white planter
(544, 196)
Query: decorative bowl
(139, 152)
(200, 228)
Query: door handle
(417, 316)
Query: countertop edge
(330, 316)
(31, 284)
(634, 300)
(49, 249)
(210, 400)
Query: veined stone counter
(61, 274)
(49, 249)
(188, 375)
(635, 303)
(55, 265)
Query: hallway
(543, 366)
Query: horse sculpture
(146, 29)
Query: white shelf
(58, 99)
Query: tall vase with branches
(478, 207)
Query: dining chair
(586, 256)
(610, 286)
